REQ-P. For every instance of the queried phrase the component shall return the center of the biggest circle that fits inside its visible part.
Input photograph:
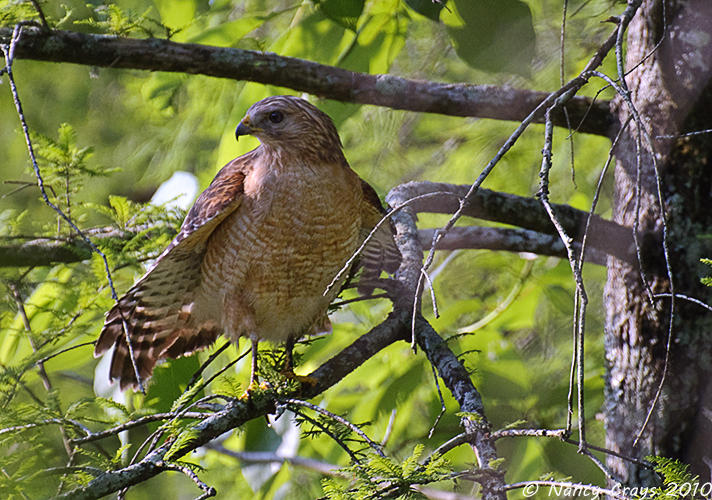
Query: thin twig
(207, 362)
(209, 491)
(686, 134)
(612, 478)
(262, 457)
(40, 366)
(581, 299)
(43, 19)
(136, 423)
(442, 402)
(328, 432)
(432, 294)
(685, 297)
(359, 299)
(557, 433)
(347, 265)
(562, 39)
(500, 308)
(41, 361)
(563, 436)
(375, 446)
(9, 53)
(454, 442)
(389, 428)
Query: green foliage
(346, 13)
(678, 482)
(183, 438)
(112, 19)
(64, 164)
(707, 280)
(427, 8)
(379, 477)
(493, 35)
(14, 11)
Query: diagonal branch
(483, 101)
(239, 411)
(452, 372)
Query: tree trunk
(671, 91)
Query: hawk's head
(288, 123)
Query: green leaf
(184, 438)
(344, 12)
(493, 35)
(428, 8)
(176, 13)
(121, 208)
(707, 280)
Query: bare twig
(562, 434)
(40, 365)
(9, 52)
(266, 457)
(557, 433)
(581, 297)
(205, 364)
(389, 428)
(209, 491)
(501, 307)
(442, 402)
(684, 297)
(43, 19)
(623, 91)
(93, 436)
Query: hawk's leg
(255, 385)
(289, 356)
(253, 367)
(288, 368)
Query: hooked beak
(243, 128)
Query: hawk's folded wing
(380, 252)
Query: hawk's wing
(380, 252)
(156, 311)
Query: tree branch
(43, 252)
(539, 237)
(508, 240)
(483, 101)
(604, 235)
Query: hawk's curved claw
(288, 373)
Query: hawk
(258, 249)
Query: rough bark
(670, 90)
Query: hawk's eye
(276, 116)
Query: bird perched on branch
(258, 250)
